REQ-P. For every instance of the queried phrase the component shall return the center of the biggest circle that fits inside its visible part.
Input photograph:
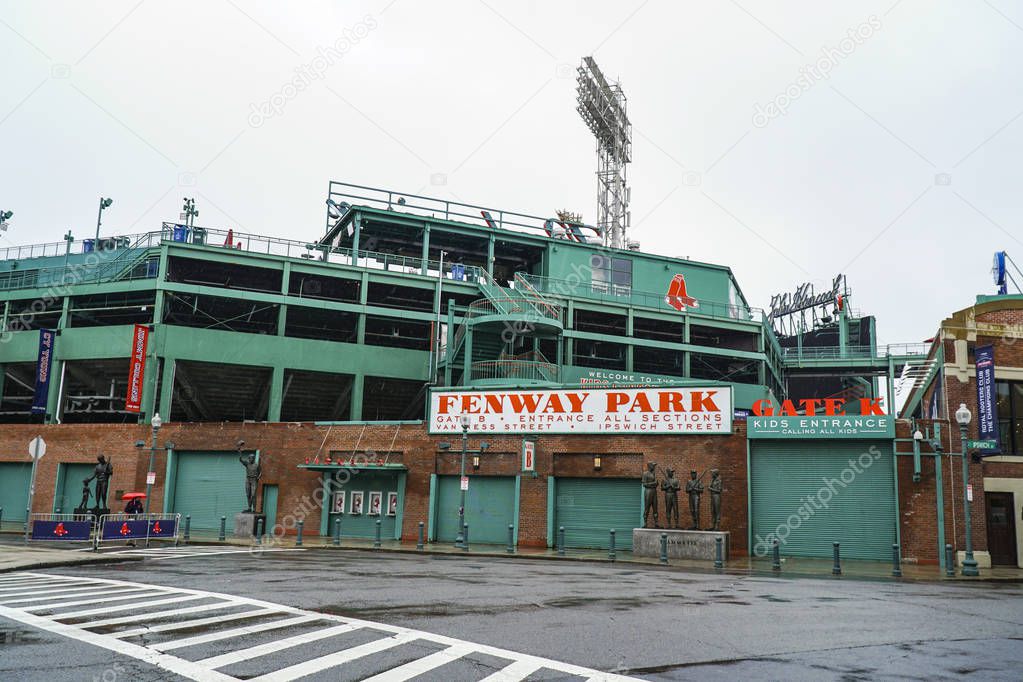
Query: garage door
(489, 508)
(808, 495)
(589, 508)
(69, 488)
(209, 485)
(14, 481)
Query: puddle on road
(14, 636)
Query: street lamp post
(963, 417)
(156, 423)
(103, 203)
(463, 420)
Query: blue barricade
(125, 529)
(56, 530)
(162, 528)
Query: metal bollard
(664, 548)
(611, 554)
(58, 511)
(376, 536)
(223, 529)
(260, 523)
(718, 553)
(465, 537)
(299, 526)
(511, 539)
(896, 562)
(1, 518)
(561, 541)
(188, 528)
(24, 527)
(337, 531)
(775, 556)
(837, 568)
(419, 542)
(950, 567)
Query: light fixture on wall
(475, 461)
(596, 462)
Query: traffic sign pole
(36, 450)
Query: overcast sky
(790, 141)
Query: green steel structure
(401, 292)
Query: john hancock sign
(824, 418)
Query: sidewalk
(792, 567)
(18, 557)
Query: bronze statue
(650, 494)
(671, 486)
(694, 488)
(715, 487)
(102, 473)
(252, 473)
(84, 506)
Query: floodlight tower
(602, 106)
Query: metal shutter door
(791, 483)
(15, 478)
(589, 508)
(363, 525)
(209, 485)
(70, 492)
(489, 508)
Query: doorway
(1001, 528)
(270, 506)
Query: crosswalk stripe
(194, 623)
(38, 586)
(423, 665)
(314, 665)
(138, 593)
(513, 672)
(40, 595)
(135, 618)
(236, 632)
(124, 607)
(273, 647)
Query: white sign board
(151, 478)
(464, 483)
(969, 492)
(685, 410)
(37, 447)
(528, 455)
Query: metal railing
(512, 306)
(416, 204)
(521, 370)
(854, 352)
(610, 293)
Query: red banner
(137, 368)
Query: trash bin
(199, 236)
(180, 233)
(88, 245)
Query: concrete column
(167, 388)
(357, 223)
(358, 383)
(273, 412)
(467, 369)
(426, 250)
(490, 255)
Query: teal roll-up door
(489, 508)
(209, 485)
(69, 488)
(364, 525)
(15, 478)
(589, 508)
(808, 495)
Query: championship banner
(987, 420)
(679, 410)
(137, 368)
(44, 361)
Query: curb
(59, 564)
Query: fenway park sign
(639, 411)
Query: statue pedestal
(697, 545)
(245, 524)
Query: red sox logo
(156, 528)
(677, 297)
(125, 530)
(60, 530)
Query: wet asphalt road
(651, 623)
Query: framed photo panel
(392, 504)
(356, 504)
(338, 504)
(375, 502)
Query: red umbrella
(132, 496)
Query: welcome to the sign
(638, 410)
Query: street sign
(981, 445)
(37, 447)
(528, 455)
(969, 492)
(151, 478)
(464, 483)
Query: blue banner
(130, 529)
(61, 530)
(43, 363)
(987, 408)
(162, 528)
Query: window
(612, 275)
(1009, 395)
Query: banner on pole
(137, 368)
(44, 361)
(987, 419)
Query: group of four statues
(671, 486)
